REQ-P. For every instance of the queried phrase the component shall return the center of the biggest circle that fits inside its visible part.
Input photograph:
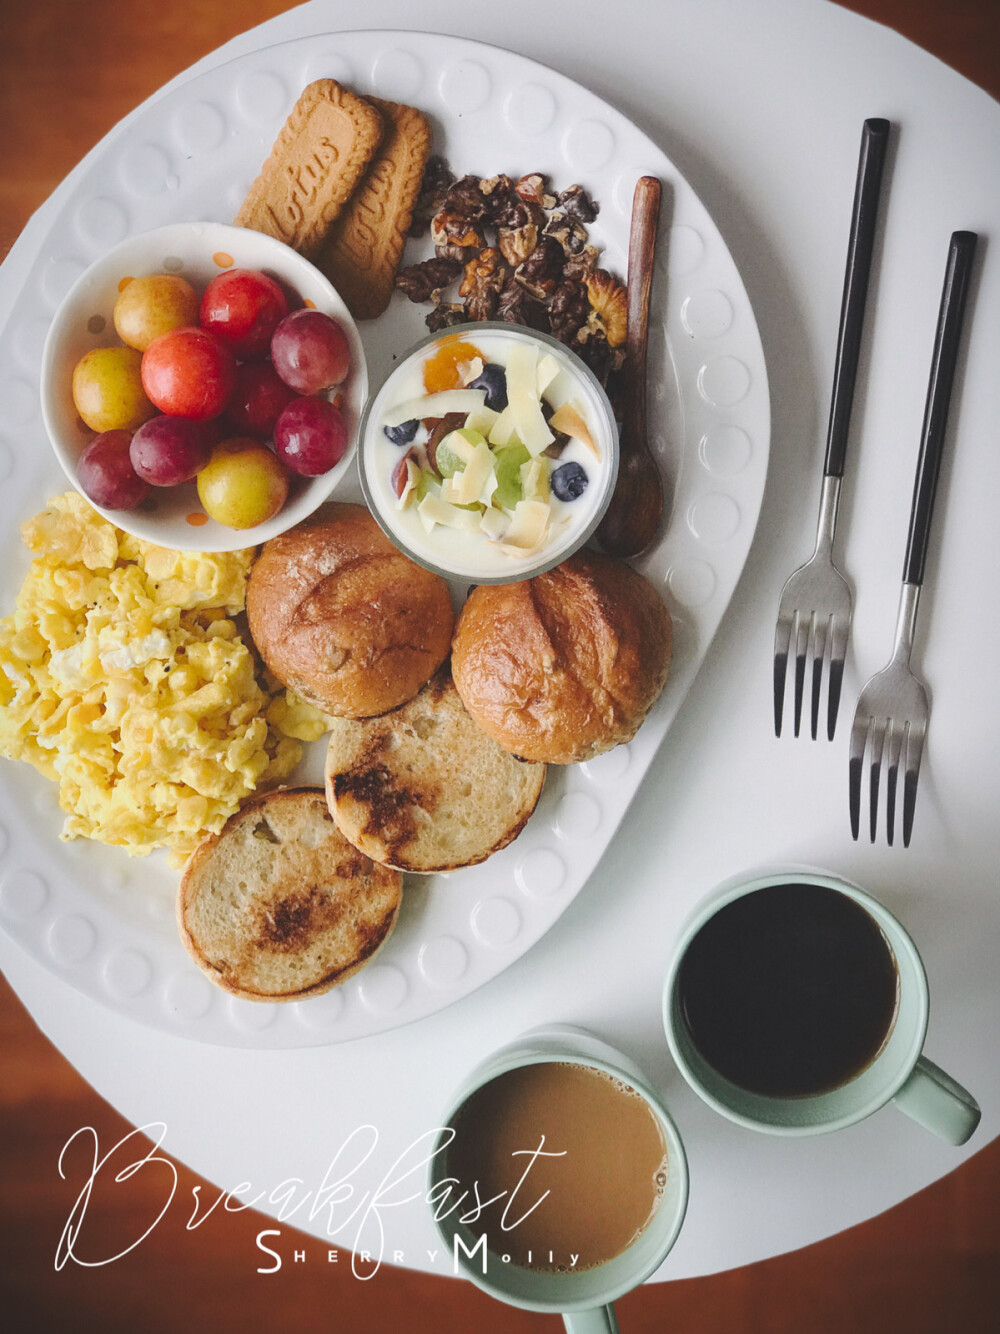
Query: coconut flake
(435, 405)
(524, 400)
(569, 420)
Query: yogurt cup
(492, 556)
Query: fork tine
(838, 649)
(894, 744)
(819, 653)
(875, 772)
(802, 634)
(859, 739)
(914, 747)
(782, 639)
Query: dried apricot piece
(443, 370)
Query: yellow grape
(243, 484)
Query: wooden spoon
(636, 508)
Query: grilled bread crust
(279, 906)
(424, 789)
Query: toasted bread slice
(279, 906)
(424, 789)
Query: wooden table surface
(68, 73)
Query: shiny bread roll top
(344, 619)
(563, 667)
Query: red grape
(106, 474)
(189, 372)
(310, 351)
(400, 474)
(258, 398)
(243, 307)
(310, 436)
(169, 450)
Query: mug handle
(598, 1320)
(938, 1102)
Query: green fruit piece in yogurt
(426, 484)
(509, 462)
(447, 457)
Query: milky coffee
(599, 1176)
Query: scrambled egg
(123, 677)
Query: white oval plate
(104, 923)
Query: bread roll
(424, 789)
(564, 666)
(279, 906)
(344, 619)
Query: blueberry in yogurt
(493, 379)
(403, 433)
(569, 481)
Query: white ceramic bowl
(460, 555)
(173, 516)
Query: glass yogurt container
(489, 453)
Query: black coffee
(790, 990)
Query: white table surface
(760, 105)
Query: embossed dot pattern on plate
(328, 65)
(496, 922)
(725, 449)
(144, 170)
(263, 97)
(252, 1016)
(29, 347)
(706, 314)
(199, 128)
(530, 110)
(127, 974)
(397, 75)
(58, 276)
(443, 961)
(23, 894)
(465, 86)
(723, 382)
(540, 873)
(692, 582)
(714, 518)
(608, 768)
(72, 939)
(589, 145)
(102, 222)
(320, 1014)
(578, 816)
(685, 249)
(382, 987)
(188, 996)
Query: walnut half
(609, 303)
(421, 282)
(484, 278)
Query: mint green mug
(898, 1073)
(584, 1297)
